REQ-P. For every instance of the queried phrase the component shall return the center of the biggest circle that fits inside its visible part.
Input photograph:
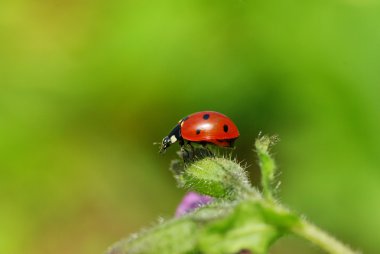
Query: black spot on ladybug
(225, 128)
(206, 116)
(198, 131)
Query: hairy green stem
(320, 238)
(267, 164)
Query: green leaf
(246, 227)
(177, 236)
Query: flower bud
(216, 177)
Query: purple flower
(191, 201)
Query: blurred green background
(86, 87)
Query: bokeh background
(86, 87)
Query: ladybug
(205, 127)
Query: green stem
(267, 164)
(320, 238)
(267, 168)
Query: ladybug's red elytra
(205, 127)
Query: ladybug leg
(209, 151)
(184, 151)
(191, 146)
(185, 154)
(181, 142)
(231, 143)
(205, 146)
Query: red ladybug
(206, 127)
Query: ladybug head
(173, 136)
(166, 142)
